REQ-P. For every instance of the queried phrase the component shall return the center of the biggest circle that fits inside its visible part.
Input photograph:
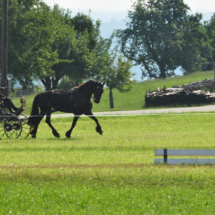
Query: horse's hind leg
(48, 121)
(68, 133)
(33, 132)
(34, 128)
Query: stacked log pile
(193, 93)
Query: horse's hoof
(33, 136)
(68, 135)
(56, 134)
(99, 130)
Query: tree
(31, 31)
(210, 28)
(83, 23)
(156, 34)
(63, 43)
(83, 53)
(91, 48)
(91, 66)
(119, 77)
(195, 49)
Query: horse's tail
(32, 121)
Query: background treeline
(62, 50)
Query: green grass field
(109, 174)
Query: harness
(77, 98)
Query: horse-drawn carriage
(13, 123)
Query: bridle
(97, 92)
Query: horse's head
(97, 91)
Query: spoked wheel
(13, 128)
(25, 126)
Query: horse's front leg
(98, 127)
(68, 133)
(48, 121)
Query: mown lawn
(109, 174)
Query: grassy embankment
(109, 174)
(134, 99)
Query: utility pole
(4, 45)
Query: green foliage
(66, 83)
(92, 50)
(83, 23)
(47, 44)
(110, 174)
(161, 36)
(31, 34)
(62, 44)
(88, 52)
(196, 48)
(119, 76)
(210, 28)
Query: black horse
(77, 101)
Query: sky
(105, 10)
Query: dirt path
(207, 108)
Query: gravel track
(202, 109)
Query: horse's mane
(88, 82)
(76, 88)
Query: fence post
(165, 156)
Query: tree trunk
(46, 82)
(214, 67)
(111, 99)
(50, 83)
(162, 71)
(55, 82)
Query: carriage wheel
(25, 126)
(13, 128)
